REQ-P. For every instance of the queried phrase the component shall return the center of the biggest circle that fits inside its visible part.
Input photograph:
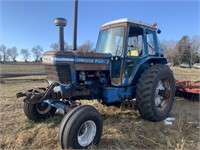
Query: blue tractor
(127, 63)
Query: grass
(186, 73)
(21, 68)
(123, 128)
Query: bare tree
(12, 53)
(3, 51)
(8, 51)
(25, 53)
(169, 48)
(1, 57)
(195, 41)
(54, 46)
(37, 52)
(87, 46)
(195, 54)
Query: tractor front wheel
(38, 111)
(155, 93)
(80, 128)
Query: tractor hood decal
(91, 60)
(54, 57)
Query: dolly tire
(38, 111)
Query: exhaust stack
(61, 23)
(74, 47)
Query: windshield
(111, 41)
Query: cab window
(111, 41)
(150, 42)
(135, 41)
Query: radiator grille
(59, 73)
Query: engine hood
(80, 60)
(54, 57)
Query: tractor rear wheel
(80, 128)
(38, 111)
(155, 93)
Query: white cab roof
(127, 20)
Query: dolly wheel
(38, 111)
(80, 128)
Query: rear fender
(143, 64)
(146, 63)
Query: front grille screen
(59, 73)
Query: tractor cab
(133, 45)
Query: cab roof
(124, 20)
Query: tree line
(185, 50)
(10, 54)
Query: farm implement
(188, 89)
(127, 64)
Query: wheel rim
(87, 133)
(162, 94)
(43, 108)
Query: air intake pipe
(61, 23)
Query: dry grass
(123, 129)
(21, 68)
(186, 73)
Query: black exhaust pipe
(74, 47)
(61, 23)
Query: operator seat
(133, 52)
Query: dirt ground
(123, 128)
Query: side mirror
(158, 31)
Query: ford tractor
(127, 63)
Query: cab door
(112, 40)
(117, 44)
(135, 51)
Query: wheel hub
(162, 94)
(43, 108)
(87, 133)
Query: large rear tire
(38, 111)
(155, 93)
(80, 128)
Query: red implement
(186, 88)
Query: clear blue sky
(27, 23)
